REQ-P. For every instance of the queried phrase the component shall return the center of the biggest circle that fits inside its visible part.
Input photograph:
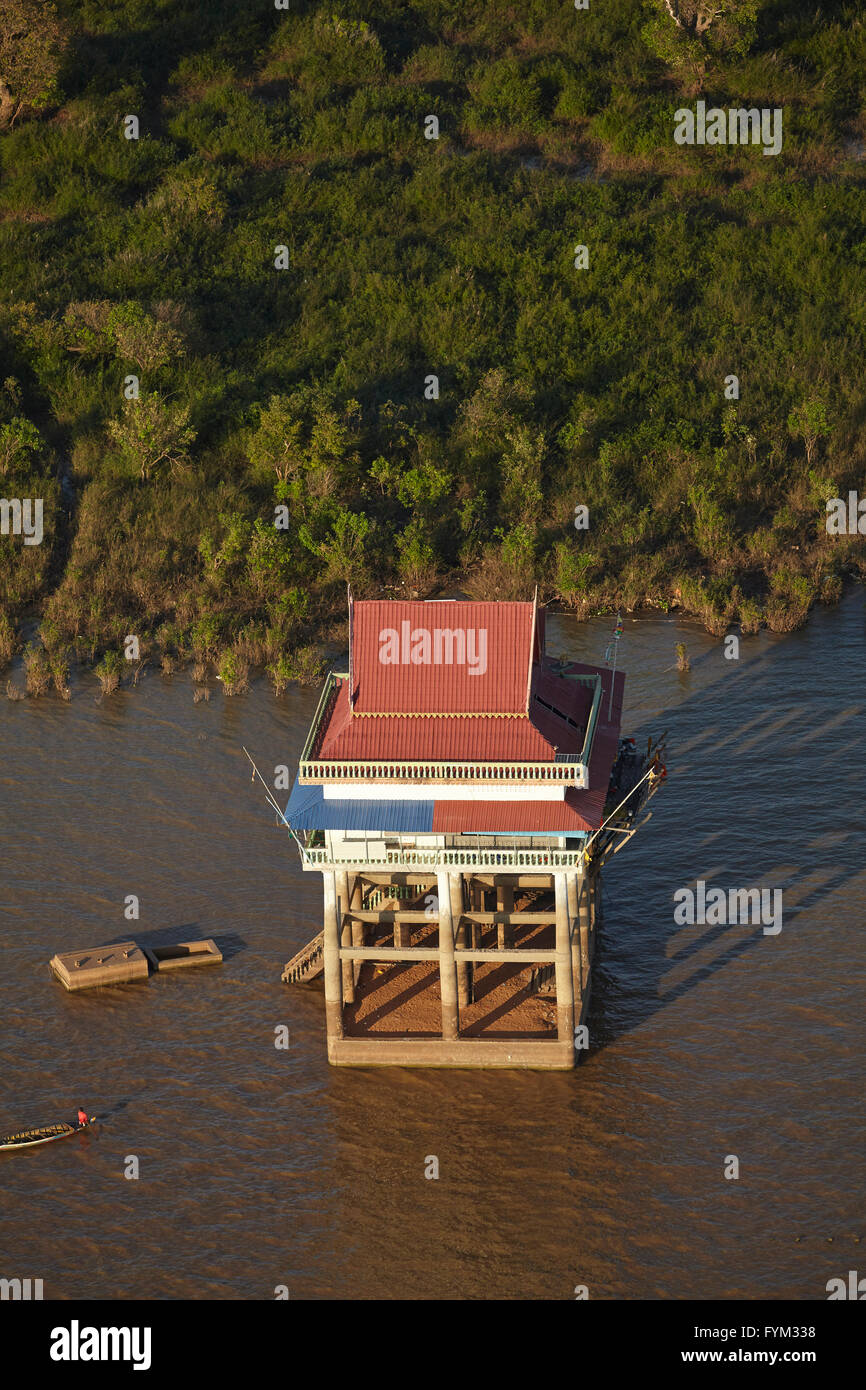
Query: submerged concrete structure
(124, 961)
(452, 793)
(100, 965)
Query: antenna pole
(616, 636)
(273, 803)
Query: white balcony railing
(345, 856)
(566, 769)
(570, 774)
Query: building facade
(452, 794)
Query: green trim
(329, 687)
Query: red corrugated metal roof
(536, 738)
(483, 740)
(514, 739)
(580, 811)
(478, 664)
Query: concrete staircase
(307, 964)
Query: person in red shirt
(82, 1118)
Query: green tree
(20, 440)
(332, 434)
(95, 327)
(685, 33)
(151, 431)
(32, 44)
(343, 548)
(522, 465)
(417, 562)
(571, 570)
(142, 339)
(275, 447)
(711, 526)
(422, 488)
(733, 22)
(808, 422)
(269, 558)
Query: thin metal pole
(617, 635)
(618, 808)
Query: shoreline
(204, 677)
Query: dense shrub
(287, 436)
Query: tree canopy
(32, 43)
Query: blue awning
(308, 810)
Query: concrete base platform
(185, 953)
(101, 965)
(435, 1052)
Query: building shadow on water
(748, 803)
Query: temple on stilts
(459, 792)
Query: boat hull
(47, 1134)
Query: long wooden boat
(46, 1134)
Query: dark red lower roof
(518, 738)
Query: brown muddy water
(261, 1167)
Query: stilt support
(446, 884)
(333, 974)
(564, 981)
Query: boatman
(82, 1118)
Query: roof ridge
(439, 714)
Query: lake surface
(261, 1167)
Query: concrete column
(447, 971)
(590, 914)
(358, 930)
(475, 929)
(461, 936)
(584, 912)
(564, 982)
(576, 950)
(333, 975)
(504, 903)
(346, 971)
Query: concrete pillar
(564, 982)
(504, 903)
(591, 914)
(348, 977)
(576, 949)
(584, 912)
(447, 971)
(461, 936)
(358, 930)
(333, 974)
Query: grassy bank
(303, 395)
